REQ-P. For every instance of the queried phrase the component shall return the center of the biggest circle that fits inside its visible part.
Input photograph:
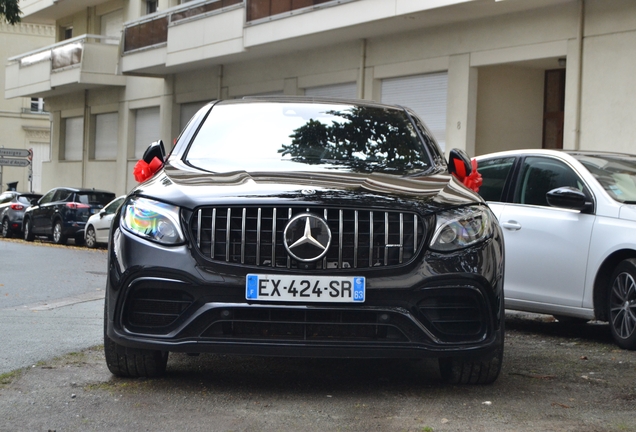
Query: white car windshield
(268, 136)
(616, 173)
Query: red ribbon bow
(472, 181)
(143, 170)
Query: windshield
(95, 198)
(616, 173)
(266, 136)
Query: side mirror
(569, 198)
(459, 164)
(156, 149)
(152, 161)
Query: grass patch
(10, 377)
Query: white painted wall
(509, 109)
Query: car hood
(628, 212)
(189, 187)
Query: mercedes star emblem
(307, 237)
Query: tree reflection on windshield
(367, 139)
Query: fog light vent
(149, 307)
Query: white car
(569, 223)
(98, 225)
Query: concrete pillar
(461, 111)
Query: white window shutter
(106, 127)
(112, 25)
(345, 91)
(74, 138)
(187, 111)
(146, 129)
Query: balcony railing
(62, 55)
(259, 9)
(153, 31)
(33, 111)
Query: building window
(73, 138)
(106, 127)
(37, 105)
(146, 129)
(67, 32)
(151, 6)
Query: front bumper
(161, 298)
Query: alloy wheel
(57, 233)
(5, 228)
(91, 239)
(623, 305)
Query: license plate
(330, 289)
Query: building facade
(485, 75)
(24, 121)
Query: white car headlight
(461, 227)
(153, 220)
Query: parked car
(12, 207)
(98, 226)
(62, 212)
(569, 222)
(305, 227)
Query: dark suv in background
(62, 212)
(12, 207)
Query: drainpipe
(86, 142)
(220, 86)
(579, 84)
(363, 65)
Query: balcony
(48, 11)
(203, 33)
(80, 63)
(183, 35)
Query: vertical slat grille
(254, 236)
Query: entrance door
(553, 107)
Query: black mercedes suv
(305, 227)
(62, 213)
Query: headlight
(462, 227)
(153, 220)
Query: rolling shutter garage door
(146, 129)
(346, 91)
(424, 94)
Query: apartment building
(24, 122)
(485, 75)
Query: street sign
(14, 162)
(14, 153)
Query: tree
(366, 139)
(10, 11)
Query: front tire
(91, 238)
(6, 231)
(484, 370)
(58, 233)
(28, 230)
(132, 362)
(622, 304)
